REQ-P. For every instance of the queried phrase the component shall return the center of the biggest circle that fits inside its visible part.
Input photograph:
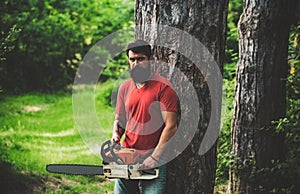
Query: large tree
(260, 94)
(191, 172)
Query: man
(146, 112)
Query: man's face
(135, 59)
(140, 69)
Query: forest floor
(13, 181)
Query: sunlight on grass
(37, 129)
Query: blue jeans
(155, 186)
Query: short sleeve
(168, 99)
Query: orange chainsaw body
(128, 155)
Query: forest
(256, 45)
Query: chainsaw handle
(150, 171)
(108, 148)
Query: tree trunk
(191, 172)
(259, 94)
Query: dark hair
(139, 46)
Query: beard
(140, 74)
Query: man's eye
(137, 59)
(140, 58)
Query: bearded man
(146, 112)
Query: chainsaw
(117, 163)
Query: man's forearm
(118, 131)
(167, 134)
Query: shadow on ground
(12, 181)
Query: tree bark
(259, 93)
(191, 172)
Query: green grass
(37, 129)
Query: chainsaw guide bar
(75, 169)
(124, 163)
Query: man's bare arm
(118, 131)
(170, 119)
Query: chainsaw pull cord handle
(108, 148)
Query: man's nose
(136, 62)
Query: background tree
(260, 95)
(206, 20)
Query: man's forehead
(133, 54)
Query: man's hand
(150, 162)
(116, 138)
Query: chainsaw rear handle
(108, 154)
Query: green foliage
(229, 71)
(290, 125)
(231, 58)
(43, 41)
(115, 68)
(231, 50)
(7, 41)
(293, 78)
(281, 176)
(223, 154)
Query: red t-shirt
(139, 111)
